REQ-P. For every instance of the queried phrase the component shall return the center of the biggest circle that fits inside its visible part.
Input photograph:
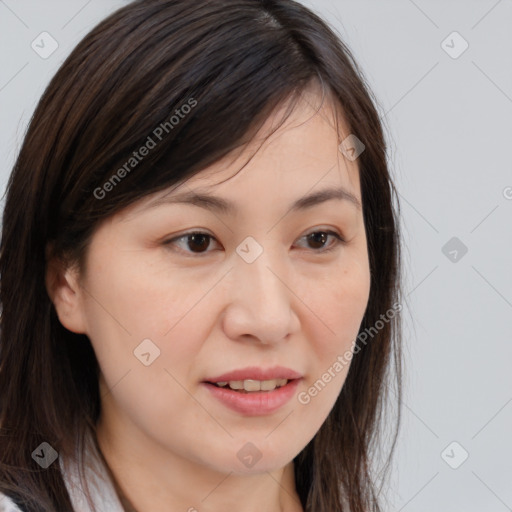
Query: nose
(260, 301)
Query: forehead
(293, 158)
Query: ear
(63, 287)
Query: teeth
(250, 385)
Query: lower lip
(256, 403)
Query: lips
(258, 403)
(256, 373)
(254, 402)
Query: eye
(194, 240)
(320, 238)
(197, 242)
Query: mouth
(254, 391)
(251, 385)
(251, 397)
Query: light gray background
(450, 132)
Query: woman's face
(252, 294)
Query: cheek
(140, 298)
(131, 300)
(340, 304)
(338, 298)
(127, 303)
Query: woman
(200, 270)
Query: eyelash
(339, 240)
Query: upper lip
(256, 373)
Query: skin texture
(169, 443)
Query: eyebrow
(209, 202)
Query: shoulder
(7, 505)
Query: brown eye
(192, 243)
(198, 241)
(317, 240)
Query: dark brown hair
(237, 60)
